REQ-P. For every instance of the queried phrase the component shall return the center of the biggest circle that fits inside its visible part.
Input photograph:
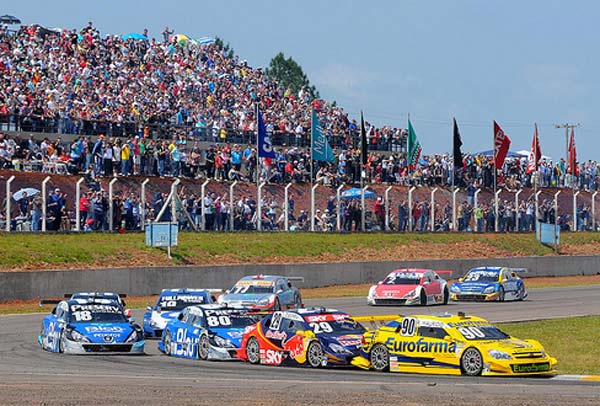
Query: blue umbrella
(135, 35)
(355, 193)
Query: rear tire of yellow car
(501, 294)
(314, 354)
(253, 351)
(380, 358)
(471, 362)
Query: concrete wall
(146, 281)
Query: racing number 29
(408, 326)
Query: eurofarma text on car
(454, 345)
(169, 304)
(263, 292)
(315, 337)
(84, 326)
(410, 287)
(206, 332)
(489, 284)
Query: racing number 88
(408, 326)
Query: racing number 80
(408, 326)
(214, 321)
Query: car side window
(288, 324)
(281, 285)
(432, 332)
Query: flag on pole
(536, 153)
(501, 145)
(457, 143)
(265, 145)
(320, 148)
(414, 147)
(364, 152)
(573, 169)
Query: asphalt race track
(31, 376)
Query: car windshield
(403, 278)
(343, 326)
(474, 333)
(481, 276)
(231, 321)
(179, 302)
(252, 288)
(86, 316)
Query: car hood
(232, 334)
(104, 333)
(393, 291)
(472, 287)
(351, 342)
(512, 346)
(244, 297)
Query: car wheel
(380, 358)
(471, 362)
(61, 343)
(521, 294)
(253, 351)
(203, 347)
(501, 294)
(297, 301)
(446, 295)
(423, 298)
(314, 354)
(167, 343)
(277, 305)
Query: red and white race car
(410, 287)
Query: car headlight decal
(497, 354)
(489, 289)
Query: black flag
(363, 140)
(457, 143)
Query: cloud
(553, 81)
(340, 78)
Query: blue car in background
(168, 306)
(88, 326)
(264, 292)
(489, 284)
(206, 332)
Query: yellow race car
(451, 344)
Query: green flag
(413, 147)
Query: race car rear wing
(45, 302)
(295, 278)
(521, 270)
(93, 295)
(376, 321)
(443, 271)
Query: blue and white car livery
(263, 292)
(489, 284)
(206, 332)
(83, 326)
(168, 306)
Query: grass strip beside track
(573, 341)
(98, 250)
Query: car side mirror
(128, 313)
(149, 308)
(448, 339)
(380, 282)
(180, 316)
(426, 283)
(279, 291)
(461, 279)
(132, 319)
(227, 291)
(300, 333)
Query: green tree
(289, 73)
(220, 44)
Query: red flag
(501, 145)
(535, 154)
(573, 169)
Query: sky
(516, 62)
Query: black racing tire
(446, 295)
(521, 294)
(501, 294)
(61, 342)
(380, 358)
(168, 341)
(297, 301)
(253, 351)
(314, 354)
(423, 301)
(277, 305)
(471, 362)
(203, 347)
